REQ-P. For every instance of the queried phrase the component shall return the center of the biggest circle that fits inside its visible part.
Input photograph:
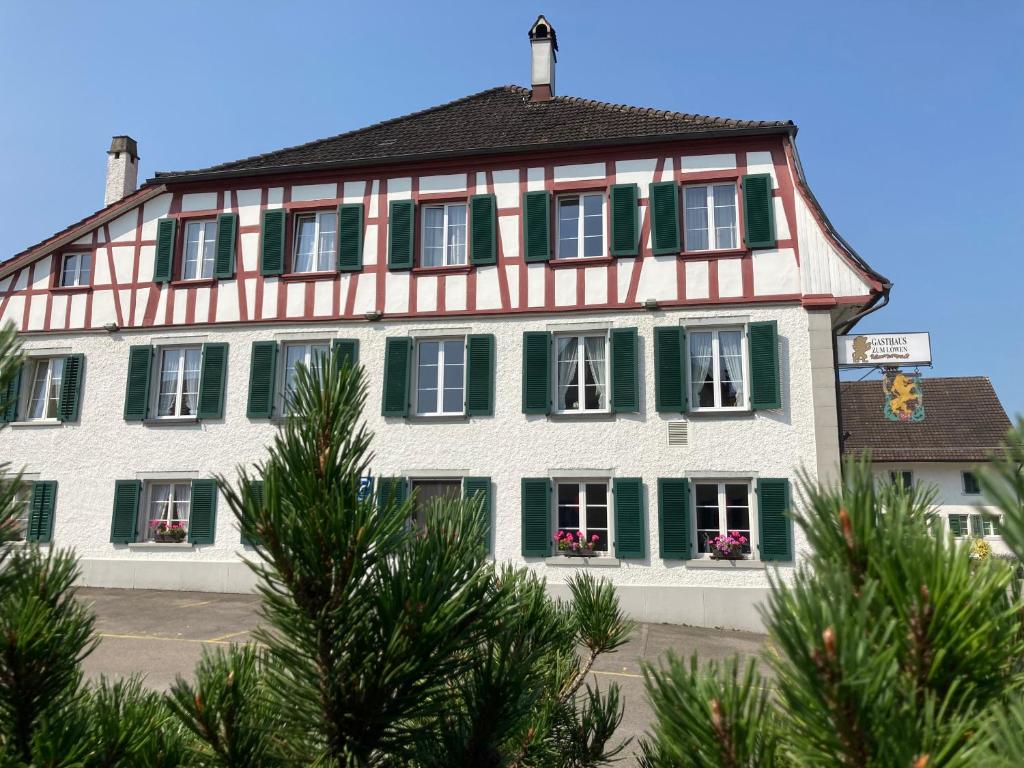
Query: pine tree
(890, 646)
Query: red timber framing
(431, 292)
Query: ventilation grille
(678, 433)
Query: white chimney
(122, 169)
(544, 55)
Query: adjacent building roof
(496, 120)
(964, 421)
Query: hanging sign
(903, 397)
(867, 350)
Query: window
(167, 511)
(178, 393)
(200, 245)
(309, 355)
(315, 241)
(722, 508)
(971, 485)
(440, 376)
(444, 235)
(709, 217)
(22, 498)
(987, 525)
(76, 270)
(903, 478)
(580, 226)
(958, 526)
(44, 396)
(582, 366)
(717, 369)
(429, 491)
(583, 508)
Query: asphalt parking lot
(162, 635)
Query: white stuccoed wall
(86, 458)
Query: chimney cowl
(122, 169)
(543, 57)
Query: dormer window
(200, 246)
(444, 235)
(76, 270)
(581, 226)
(315, 241)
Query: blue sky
(911, 113)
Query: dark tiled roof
(964, 421)
(499, 119)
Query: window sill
(299, 277)
(583, 416)
(143, 546)
(172, 421)
(439, 418)
(700, 413)
(447, 269)
(724, 565)
(586, 562)
(716, 252)
(37, 423)
(583, 261)
(71, 289)
(182, 283)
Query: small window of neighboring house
(166, 511)
(581, 508)
(440, 376)
(709, 216)
(581, 373)
(718, 369)
(21, 502)
(200, 247)
(444, 235)
(311, 356)
(44, 388)
(971, 485)
(580, 226)
(178, 382)
(431, 490)
(315, 242)
(903, 478)
(76, 270)
(958, 526)
(721, 509)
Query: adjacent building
(604, 319)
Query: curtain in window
(159, 507)
(325, 254)
(190, 383)
(696, 217)
(456, 234)
(37, 405)
(433, 236)
(596, 386)
(730, 345)
(568, 394)
(304, 245)
(700, 362)
(725, 216)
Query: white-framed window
(709, 217)
(582, 507)
(964, 525)
(200, 246)
(167, 511)
(315, 235)
(22, 497)
(958, 526)
(178, 382)
(444, 235)
(904, 478)
(429, 490)
(76, 270)
(718, 369)
(580, 225)
(970, 483)
(440, 376)
(723, 508)
(311, 355)
(581, 373)
(44, 388)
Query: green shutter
(536, 517)
(346, 351)
(480, 374)
(775, 527)
(758, 211)
(163, 261)
(536, 372)
(625, 218)
(40, 510)
(392, 489)
(537, 226)
(401, 230)
(350, 237)
(471, 487)
(977, 529)
(674, 518)
(272, 242)
(202, 516)
(624, 379)
(71, 388)
(670, 369)
(212, 381)
(10, 401)
(397, 364)
(256, 492)
(136, 394)
(224, 256)
(124, 524)
(664, 211)
(629, 517)
(483, 229)
(765, 386)
(262, 375)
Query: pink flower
(595, 537)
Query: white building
(964, 424)
(608, 318)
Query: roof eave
(171, 177)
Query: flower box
(727, 546)
(167, 534)
(718, 556)
(580, 553)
